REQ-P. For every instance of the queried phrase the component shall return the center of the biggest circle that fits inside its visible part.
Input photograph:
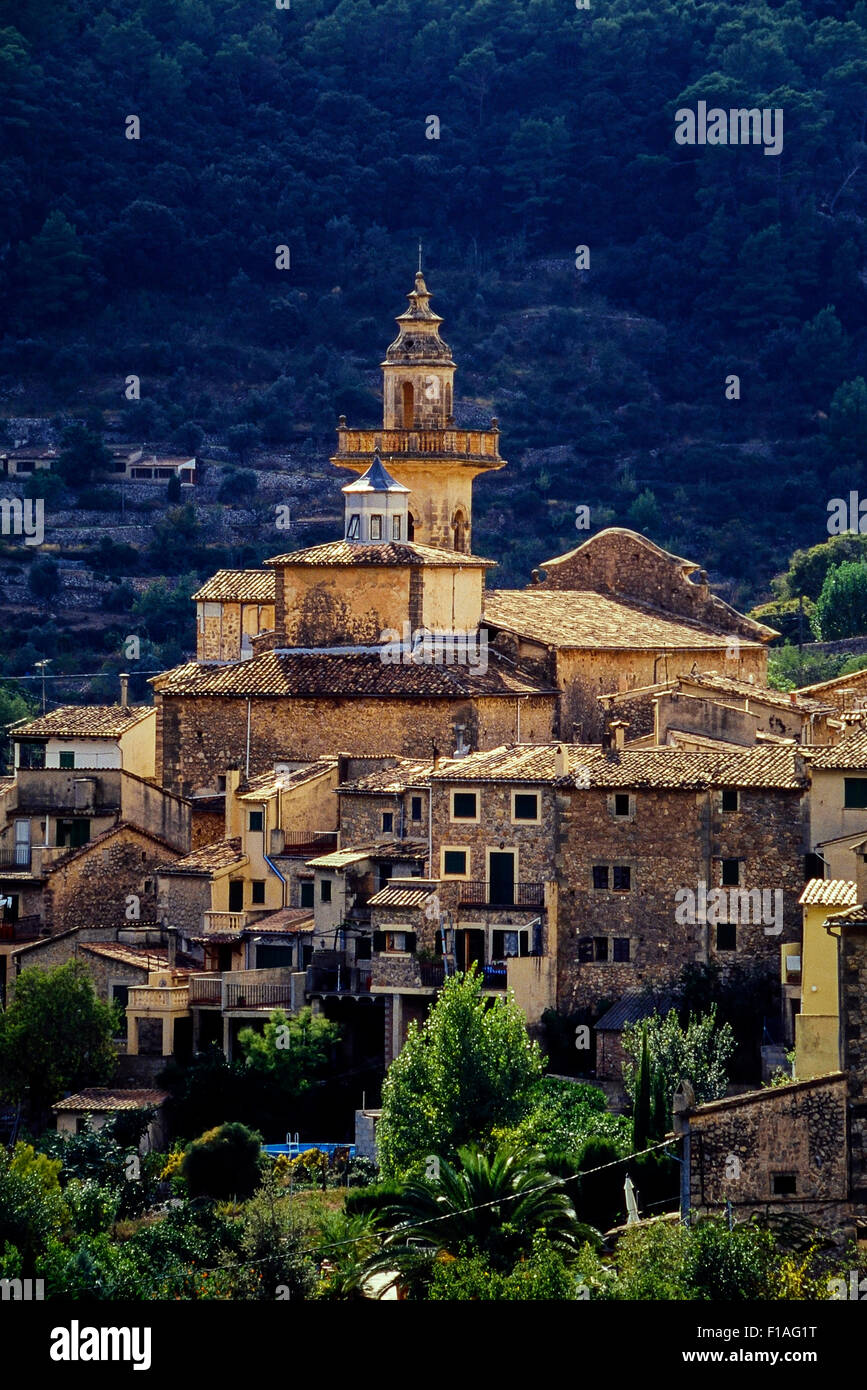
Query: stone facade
(90, 886)
(782, 1149)
(852, 963)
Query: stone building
(232, 608)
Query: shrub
(224, 1162)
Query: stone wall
(361, 816)
(673, 839)
(90, 887)
(198, 737)
(184, 898)
(794, 1134)
(852, 965)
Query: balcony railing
(329, 973)
(478, 893)
(23, 929)
(494, 977)
(432, 973)
(206, 989)
(15, 857)
(224, 922)
(480, 444)
(257, 996)
(143, 998)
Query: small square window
(388, 820)
(376, 528)
(257, 820)
(585, 949)
(464, 805)
(621, 804)
(600, 948)
(527, 806)
(730, 799)
(415, 808)
(325, 890)
(454, 861)
(257, 890)
(395, 528)
(621, 948)
(221, 783)
(622, 875)
(731, 872)
(784, 1184)
(67, 760)
(855, 793)
(305, 894)
(726, 936)
(600, 875)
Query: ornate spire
(419, 341)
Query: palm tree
(488, 1205)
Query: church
(295, 661)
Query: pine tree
(53, 268)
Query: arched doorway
(408, 405)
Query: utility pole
(41, 665)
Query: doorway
(469, 947)
(501, 877)
(408, 405)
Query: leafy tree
(841, 609)
(491, 1206)
(644, 512)
(15, 704)
(31, 1209)
(163, 609)
(291, 1054)
(243, 439)
(223, 1162)
(643, 1097)
(43, 578)
(55, 1037)
(53, 270)
(544, 1274)
(847, 421)
(238, 486)
(697, 1053)
(467, 1069)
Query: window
(376, 527)
(388, 820)
(66, 759)
(600, 876)
(464, 806)
(814, 866)
(454, 862)
(622, 876)
(415, 808)
(257, 820)
(120, 995)
(394, 941)
(507, 943)
(730, 799)
(354, 527)
(31, 755)
(621, 803)
(73, 833)
(621, 948)
(257, 890)
(236, 895)
(585, 949)
(395, 528)
(855, 792)
(325, 890)
(726, 936)
(731, 872)
(362, 948)
(525, 806)
(784, 1184)
(600, 948)
(305, 894)
(221, 782)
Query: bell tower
(419, 443)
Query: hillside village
(382, 770)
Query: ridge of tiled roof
(589, 766)
(850, 752)
(84, 721)
(393, 780)
(830, 892)
(344, 675)
(239, 586)
(222, 854)
(344, 553)
(583, 618)
(112, 1098)
(271, 782)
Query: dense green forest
(308, 127)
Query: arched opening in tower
(459, 531)
(410, 526)
(408, 405)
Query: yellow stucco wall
(452, 599)
(336, 607)
(816, 1026)
(138, 746)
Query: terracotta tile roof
(849, 753)
(397, 895)
(209, 859)
(393, 780)
(854, 681)
(780, 699)
(142, 957)
(102, 1098)
(581, 618)
(287, 920)
(830, 892)
(379, 850)
(343, 553)
(238, 586)
(269, 783)
(855, 916)
(84, 721)
(588, 765)
(345, 675)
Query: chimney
(618, 728)
(233, 815)
(124, 690)
(793, 697)
(435, 754)
(561, 761)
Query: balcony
(145, 999)
(15, 858)
(206, 990)
(329, 973)
(256, 995)
(478, 893)
(244, 989)
(23, 929)
(224, 923)
(494, 976)
(307, 844)
(481, 445)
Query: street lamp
(41, 665)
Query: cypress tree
(641, 1107)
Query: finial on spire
(419, 258)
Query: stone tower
(418, 441)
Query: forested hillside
(308, 128)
